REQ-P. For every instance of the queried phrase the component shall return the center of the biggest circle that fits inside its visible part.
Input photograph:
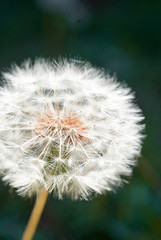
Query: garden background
(124, 37)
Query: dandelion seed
(66, 127)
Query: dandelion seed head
(67, 127)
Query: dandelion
(66, 127)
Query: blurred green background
(124, 37)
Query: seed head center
(69, 125)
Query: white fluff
(99, 144)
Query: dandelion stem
(35, 216)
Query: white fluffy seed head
(67, 127)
